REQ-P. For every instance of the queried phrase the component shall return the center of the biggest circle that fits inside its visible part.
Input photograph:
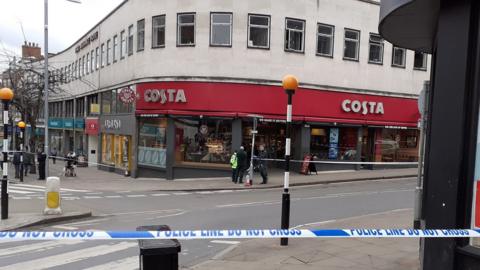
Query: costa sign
(165, 95)
(362, 107)
(127, 95)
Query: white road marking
(70, 198)
(225, 242)
(146, 212)
(204, 192)
(10, 190)
(223, 191)
(37, 247)
(94, 193)
(74, 190)
(92, 197)
(136, 196)
(40, 189)
(62, 227)
(160, 194)
(21, 198)
(113, 196)
(71, 257)
(182, 193)
(123, 264)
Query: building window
(103, 57)
(334, 143)
(97, 58)
(107, 102)
(258, 31)
(93, 108)
(69, 108)
(109, 51)
(140, 35)
(130, 40)
(351, 44)
(186, 29)
(121, 106)
(80, 107)
(325, 37)
(375, 54)
(396, 145)
(92, 61)
(115, 48)
(294, 35)
(80, 67)
(221, 29)
(88, 64)
(84, 66)
(158, 31)
(420, 61)
(75, 75)
(123, 45)
(398, 57)
(152, 142)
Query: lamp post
(21, 125)
(45, 77)
(290, 84)
(6, 95)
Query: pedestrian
(54, 153)
(16, 162)
(27, 160)
(262, 164)
(234, 164)
(41, 158)
(241, 164)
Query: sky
(67, 23)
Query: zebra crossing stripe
(37, 247)
(127, 263)
(71, 257)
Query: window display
(203, 140)
(398, 145)
(334, 143)
(116, 150)
(152, 149)
(107, 148)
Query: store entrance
(368, 146)
(270, 134)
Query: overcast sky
(67, 23)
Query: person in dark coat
(262, 164)
(242, 164)
(16, 162)
(27, 160)
(41, 158)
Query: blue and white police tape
(237, 234)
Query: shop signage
(91, 126)
(165, 95)
(363, 107)
(55, 123)
(68, 123)
(79, 123)
(86, 42)
(113, 123)
(127, 95)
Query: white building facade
(166, 88)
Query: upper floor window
(115, 48)
(123, 44)
(75, 70)
(109, 51)
(92, 61)
(158, 31)
(140, 35)
(375, 54)
(84, 66)
(103, 57)
(186, 29)
(351, 45)
(221, 29)
(130, 39)
(97, 57)
(398, 57)
(88, 64)
(325, 34)
(420, 61)
(294, 35)
(258, 31)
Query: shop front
(117, 135)
(187, 129)
(55, 135)
(91, 131)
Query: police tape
(237, 234)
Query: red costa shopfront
(187, 126)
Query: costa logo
(363, 107)
(165, 95)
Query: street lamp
(45, 75)
(21, 125)
(6, 95)
(290, 84)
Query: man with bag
(242, 164)
(262, 164)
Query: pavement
(327, 254)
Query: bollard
(158, 254)
(52, 196)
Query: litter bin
(158, 254)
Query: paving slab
(25, 220)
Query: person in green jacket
(234, 164)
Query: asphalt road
(194, 210)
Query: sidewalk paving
(23, 220)
(92, 178)
(327, 254)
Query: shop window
(109, 52)
(271, 135)
(221, 29)
(334, 143)
(325, 35)
(259, 31)
(121, 106)
(107, 102)
(121, 151)
(294, 35)
(398, 57)
(108, 149)
(152, 142)
(140, 35)
(186, 29)
(375, 54)
(158, 31)
(351, 44)
(396, 145)
(203, 141)
(115, 49)
(420, 61)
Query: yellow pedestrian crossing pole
(6, 96)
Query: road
(193, 210)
